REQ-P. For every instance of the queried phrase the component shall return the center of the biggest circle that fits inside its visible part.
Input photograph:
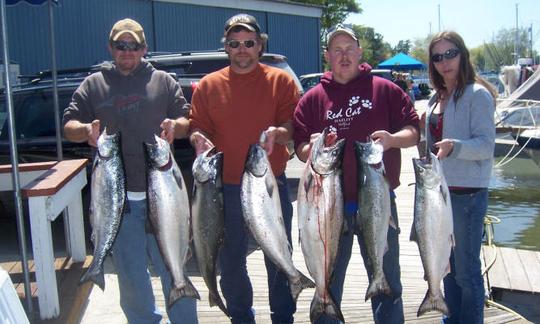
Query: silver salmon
(169, 214)
(432, 229)
(320, 220)
(107, 201)
(208, 219)
(374, 212)
(262, 214)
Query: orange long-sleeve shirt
(234, 109)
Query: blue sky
(475, 20)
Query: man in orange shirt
(230, 109)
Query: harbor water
(514, 198)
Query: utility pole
(516, 46)
(439, 10)
(531, 45)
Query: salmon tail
(329, 307)
(297, 286)
(178, 292)
(94, 274)
(215, 300)
(413, 237)
(378, 286)
(433, 302)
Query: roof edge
(279, 6)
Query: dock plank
(514, 269)
(497, 275)
(531, 263)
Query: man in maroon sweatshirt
(359, 106)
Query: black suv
(34, 112)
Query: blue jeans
(386, 309)
(136, 294)
(235, 282)
(464, 285)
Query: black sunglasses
(449, 54)
(235, 43)
(126, 46)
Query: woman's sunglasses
(235, 43)
(449, 54)
(126, 46)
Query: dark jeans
(386, 309)
(235, 282)
(464, 285)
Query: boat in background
(529, 139)
(518, 112)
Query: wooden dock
(83, 304)
(103, 308)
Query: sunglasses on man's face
(236, 43)
(449, 54)
(126, 46)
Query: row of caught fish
(320, 217)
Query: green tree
(501, 50)
(335, 11)
(403, 46)
(478, 58)
(375, 48)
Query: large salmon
(208, 221)
(108, 197)
(432, 229)
(374, 212)
(262, 214)
(169, 214)
(320, 219)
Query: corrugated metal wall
(297, 38)
(82, 28)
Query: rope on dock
(489, 232)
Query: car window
(310, 82)
(34, 114)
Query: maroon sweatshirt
(356, 109)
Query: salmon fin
(433, 302)
(414, 235)
(94, 274)
(392, 223)
(186, 291)
(215, 300)
(269, 186)
(345, 227)
(378, 286)
(320, 307)
(358, 225)
(307, 182)
(297, 287)
(444, 194)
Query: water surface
(514, 197)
